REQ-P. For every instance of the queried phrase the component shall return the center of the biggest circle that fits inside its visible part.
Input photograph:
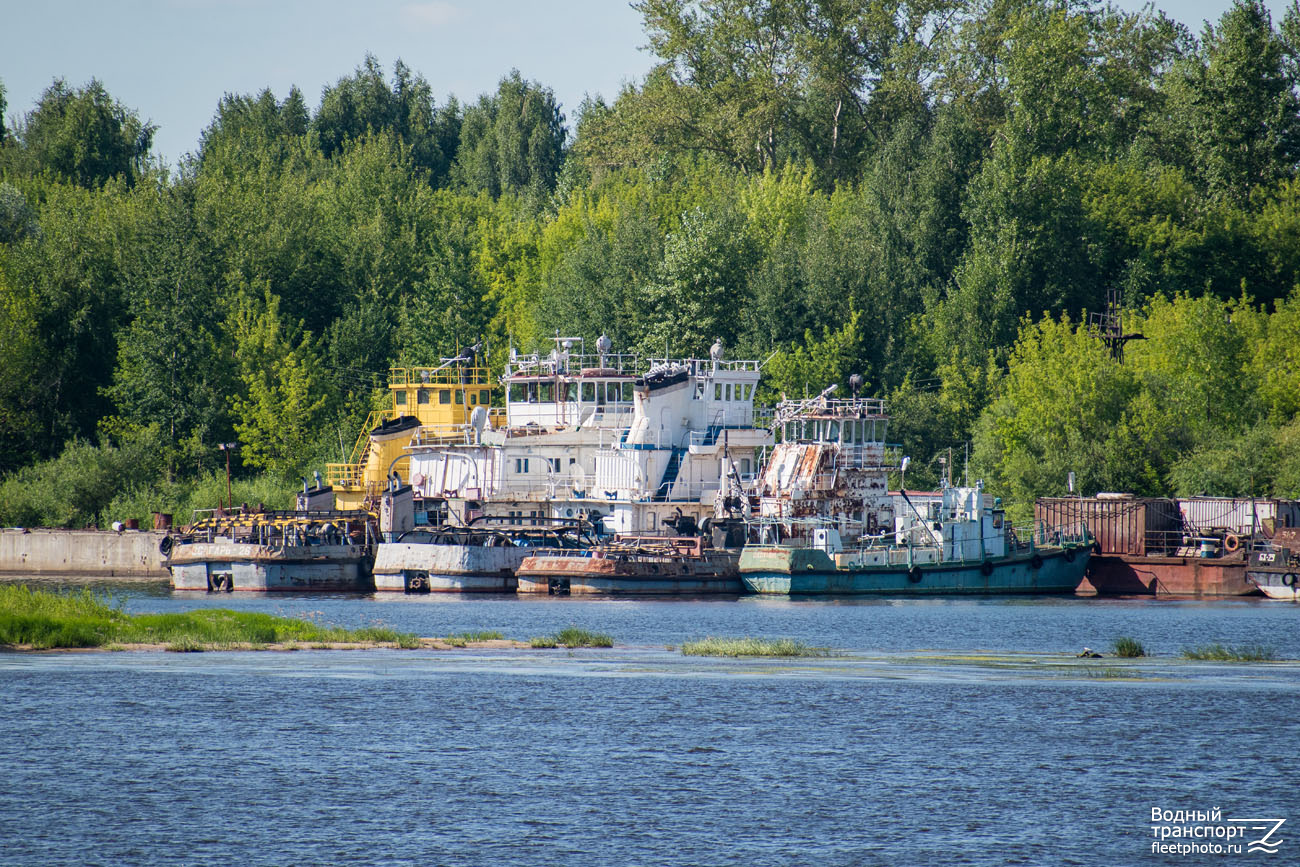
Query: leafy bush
(74, 489)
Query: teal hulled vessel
(829, 525)
(785, 570)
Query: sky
(172, 60)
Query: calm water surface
(638, 755)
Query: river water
(945, 732)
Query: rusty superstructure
(828, 466)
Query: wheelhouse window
(399, 397)
(444, 396)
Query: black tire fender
(914, 574)
(1035, 562)
(166, 545)
(1289, 579)
(986, 568)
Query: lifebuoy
(914, 574)
(986, 568)
(1035, 562)
(1231, 542)
(1289, 579)
(165, 546)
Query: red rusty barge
(634, 566)
(1148, 546)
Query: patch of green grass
(572, 636)
(461, 639)
(1222, 653)
(481, 635)
(1129, 648)
(751, 647)
(43, 619)
(185, 644)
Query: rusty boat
(828, 524)
(634, 566)
(1153, 546)
(307, 549)
(481, 557)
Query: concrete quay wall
(131, 553)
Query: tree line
(935, 195)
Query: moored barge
(480, 558)
(273, 552)
(1150, 546)
(634, 566)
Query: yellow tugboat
(430, 406)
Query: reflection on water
(909, 749)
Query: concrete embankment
(131, 553)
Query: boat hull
(406, 567)
(1130, 575)
(1281, 583)
(712, 573)
(810, 571)
(221, 566)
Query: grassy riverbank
(42, 620)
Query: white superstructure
(597, 437)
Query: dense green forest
(934, 194)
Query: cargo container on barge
(1151, 546)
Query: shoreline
(278, 647)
